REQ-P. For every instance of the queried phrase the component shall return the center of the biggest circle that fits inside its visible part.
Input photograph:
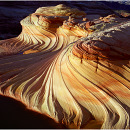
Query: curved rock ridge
(53, 28)
(48, 29)
(105, 45)
(80, 82)
(60, 10)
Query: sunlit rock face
(74, 70)
(105, 45)
(48, 29)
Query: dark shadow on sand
(15, 115)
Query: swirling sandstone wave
(80, 84)
(48, 29)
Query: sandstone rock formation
(49, 28)
(74, 73)
(14, 11)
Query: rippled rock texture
(71, 68)
(14, 11)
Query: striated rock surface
(49, 28)
(74, 70)
(52, 28)
(14, 11)
(105, 45)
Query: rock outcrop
(48, 29)
(72, 69)
(14, 11)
